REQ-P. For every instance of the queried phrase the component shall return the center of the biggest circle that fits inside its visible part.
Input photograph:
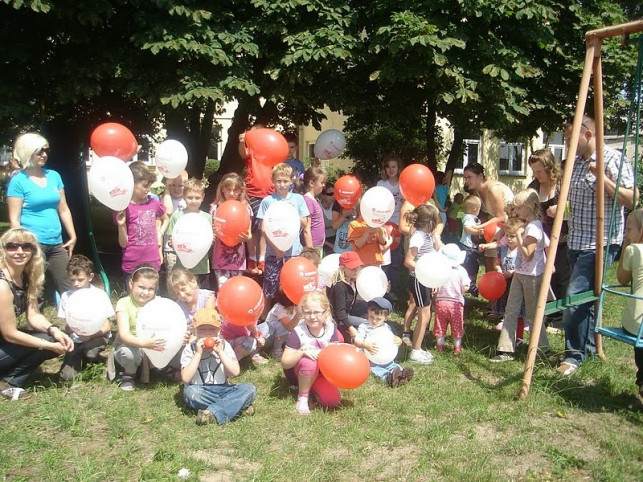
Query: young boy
(471, 206)
(86, 348)
(206, 364)
(379, 310)
(193, 193)
(370, 243)
(275, 258)
(173, 201)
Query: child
(137, 230)
(193, 193)
(86, 348)
(281, 320)
(296, 165)
(205, 371)
(425, 219)
(275, 258)
(312, 255)
(327, 201)
(245, 341)
(173, 201)
(454, 215)
(229, 261)
(392, 373)
(530, 264)
(370, 243)
(342, 294)
(314, 332)
(630, 270)
(184, 287)
(314, 233)
(341, 221)
(128, 348)
(449, 300)
(471, 206)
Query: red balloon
(343, 365)
(393, 230)
(208, 343)
(492, 285)
(113, 139)
(417, 184)
(266, 146)
(298, 277)
(348, 190)
(490, 231)
(240, 301)
(232, 220)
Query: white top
(535, 266)
(397, 195)
(210, 371)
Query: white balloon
(191, 238)
(281, 223)
(386, 348)
(371, 283)
(162, 318)
(111, 182)
(377, 206)
(328, 267)
(82, 312)
(329, 144)
(433, 269)
(171, 158)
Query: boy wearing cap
(342, 295)
(206, 364)
(377, 339)
(449, 300)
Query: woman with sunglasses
(36, 201)
(21, 280)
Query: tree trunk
(431, 147)
(457, 150)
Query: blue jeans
(224, 401)
(579, 321)
(380, 371)
(17, 362)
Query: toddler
(469, 239)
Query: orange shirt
(371, 252)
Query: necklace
(323, 331)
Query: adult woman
(21, 279)
(36, 200)
(547, 177)
(494, 196)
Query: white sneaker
(421, 356)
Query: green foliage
(211, 166)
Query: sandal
(406, 338)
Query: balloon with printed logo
(343, 365)
(162, 318)
(417, 184)
(171, 158)
(113, 139)
(266, 146)
(281, 223)
(328, 267)
(492, 285)
(329, 144)
(386, 347)
(490, 231)
(377, 206)
(298, 276)
(240, 301)
(191, 238)
(81, 311)
(231, 220)
(371, 283)
(433, 269)
(111, 182)
(348, 190)
(393, 230)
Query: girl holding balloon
(343, 294)
(314, 179)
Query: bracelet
(51, 327)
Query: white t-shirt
(536, 265)
(397, 195)
(210, 371)
(103, 305)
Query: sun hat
(350, 259)
(206, 316)
(453, 254)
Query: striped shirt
(423, 242)
(582, 198)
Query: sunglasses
(43, 151)
(26, 247)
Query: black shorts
(421, 294)
(255, 202)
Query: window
(560, 152)
(512, 159)
(471, 153)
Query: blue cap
(381, 303)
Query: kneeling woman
(21, 279)
(315, 331)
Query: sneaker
(257, 359)
(499, 326)
(68, 373)
(567, 368)
(406, 338)
(15, 393)
(457, 350)
(302, 406)
(502, 357)
(249, 411)
(439, 347)
(127, 383)
(421, 356)
(393, 377)
(205, 417)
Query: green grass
(457, 420)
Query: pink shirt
(452, 290)
(142, 237)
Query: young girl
(183, 285)
(425, 219)
(630, 270)
(530, 264)
(314, 332)
(281, 320)
(370, 243)
(229, 261)
(314, 179)
(327, 201)
(128, 347)
(342, 294)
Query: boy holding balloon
(88, 337)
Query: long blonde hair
(231, 178)
(34, 271)
(530, 198)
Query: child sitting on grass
(206, 365)
(379, 310)
(80, 270)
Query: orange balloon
(393, 230)
(492, 285)
(490, 231)
(298, 277)
(417, 184)
(113, 139)
(208, 343)
(343, 365)
(348, 190)
(232, 220)
(267, 146)
(240, 301)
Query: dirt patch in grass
(227, 466)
